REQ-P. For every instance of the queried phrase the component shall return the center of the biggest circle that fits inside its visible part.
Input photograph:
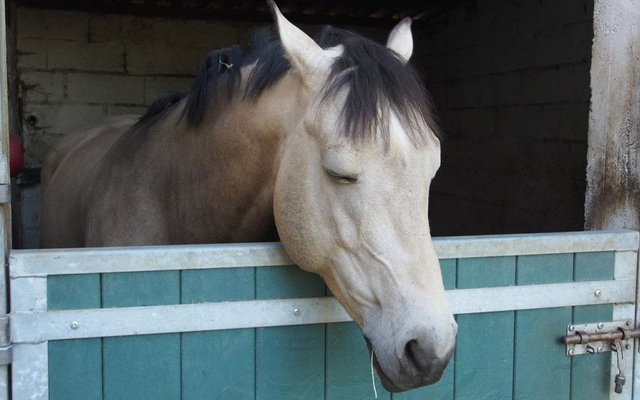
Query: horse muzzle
(417, 362)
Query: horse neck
(236, 160)
(251, 132)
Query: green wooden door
(500, 355)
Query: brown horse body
(113, 186)
(329, 146)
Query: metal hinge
(599, 337)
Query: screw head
(571, 352)
(74, 325)
(297, 312)
(600, 325)
(572, 328)
(628, 323)
(599, 349)
(627, 346)
(597, 293)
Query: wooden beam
(301, 11)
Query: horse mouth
(384, 379)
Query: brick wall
(511, 82)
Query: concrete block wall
(77, 67)
(510, 79)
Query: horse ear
(400, 39)
(303, 52)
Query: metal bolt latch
(582, 337)
(620, 379)
(599, 337)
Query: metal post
(5, 205)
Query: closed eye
(341, 178)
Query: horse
(328, 145)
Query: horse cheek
(297, 230)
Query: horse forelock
(377, 82)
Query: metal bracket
(598, 337)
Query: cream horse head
(351, 197)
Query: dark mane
(161, 104)
(376, 79)
(207, 91)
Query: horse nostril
(412, 353)
(424, 363)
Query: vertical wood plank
(221, 364)
(484, 351)
(73, 291)
(542, 370)
(590, 372)
(289, 360)
(142, 367)
(135, 289)
(444, 388)
(349, 365)
(75, 366)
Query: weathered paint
(613, 170)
